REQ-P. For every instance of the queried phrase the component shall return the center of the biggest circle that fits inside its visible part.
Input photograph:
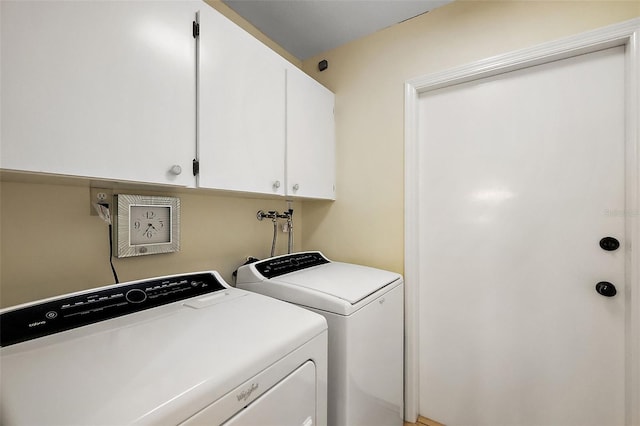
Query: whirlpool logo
(245, 394)
(37, 323)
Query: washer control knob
(175, 169)
(296, 187)
(276, 184)
(136, 295)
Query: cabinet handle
(296, 187)
(175, 169)
(276, 184)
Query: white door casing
(625, 34)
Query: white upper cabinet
(101, 89)
(310, 137)
(124, 91)
(265, 126)
(241, 145)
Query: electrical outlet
(100, 196)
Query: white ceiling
(308, 27)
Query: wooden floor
(423, 421)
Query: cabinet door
(241, 109)
(310, 137)
(100, 89)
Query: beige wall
(365, 224)
(51, 244)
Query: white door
(521, 175)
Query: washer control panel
(290, 263)
(72, 311)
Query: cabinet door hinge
(196, 29)
(196, 167)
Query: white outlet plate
(99, 195)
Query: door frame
(623, 34)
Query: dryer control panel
(290, 263)
(71, 311)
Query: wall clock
(146, 224)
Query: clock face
(149, 224)
(146, 224)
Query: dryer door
(292, 402)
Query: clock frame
(146, 224)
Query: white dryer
(364, 309)
(183, 349)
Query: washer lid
(156, 366)
(346, 281)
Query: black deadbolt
(609, 244)
(606, 289)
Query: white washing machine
(364, 309)
(184, 349)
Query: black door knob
(606, 289)
(609, 244)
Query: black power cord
(113, 269)
(103, 211)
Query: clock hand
(147, 231)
